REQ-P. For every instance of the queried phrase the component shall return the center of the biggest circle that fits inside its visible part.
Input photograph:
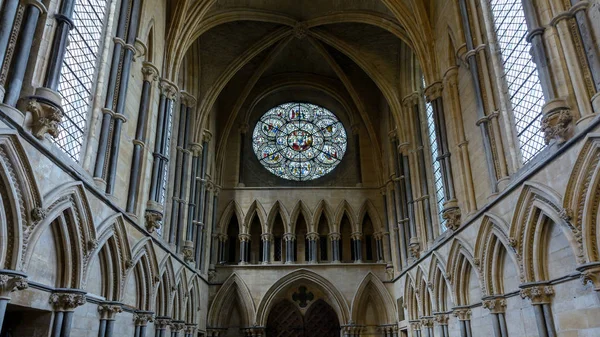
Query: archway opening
(287, 319)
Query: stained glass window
(77, 73)
(438, 182)
(299, 141)
(521, 75)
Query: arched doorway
(286, 320)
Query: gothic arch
(323, 209)
(145, 273)
(491, 250)
(345, 208)
(372, 291)
(255, 209)
(334, 297)
(278, 208)
(439, 285)
(233, 290)
(410, 298)
(537, 208)
(232, 209)
(582, 197)
(424, 292)
(369, 209)
(459, 269)
(306, 213)
(166, 288)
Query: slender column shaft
(136, 332)
(7, 20)
(496, 325)
(387, 228)
(58, 324)
(68, 322)
(156, 164)
(59, 45)
(214, 222)
(591, 51)
(379, 249)
(540, 320)
(503, 327)
(468, 326)
(422, 174)
(110, 327)
(358, 250)
(176, 200)
(183, 183)
(3, 304)
(143, 329)
(549, 319)
(20, 58)
(463, 328)
(193, 195)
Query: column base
(13, 113)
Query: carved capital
(188, 251)
(427, 322)
(441, 319)
(187, 99)
(434, 91)
(67, 301)
(10, 282)
(190, 329)
(153, 220)
(46, 117)
(244, 237)
(162, 323)
(495, 305)
(411, 100)
(453, 217)
(463, 314)
(289, 237)
(149, 72)
(356, 236)
(206, 136)
(334, 236)
(168, 89)
(177, 326)
(590, 273)
(557, 123)
(267, 237)
(414, 247)
(538, 294)
(109, 310)
(141, 318)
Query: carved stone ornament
(414, 247)
(188, 251)
(38, 214)
(356, 236)
(495, 305)
(46, 117)
(427, 322)
(150, 72)
(177, 326)
(463, 314)
(153, 220)
(141, 318)
(162, 322)
(190, 328)
(539, 294)
(452, 216)
(434, 91)
(168, 89)
(334, 236)
(442, 319)
(10, 283)
(590, 273)
(300, 30)
(67, 301)
(557, 122)
(109, 310)
(212, 274)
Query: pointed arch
(410, 298)
(166, 287)
(536, 210)
(459, 271)
(20, 200)
(145, 272)
(233, 290)
(323, 209)
(372, 291)
(424, 292)
(582, 197)
(334, 298)
(345, 208)
(232, 209)
(369, 209)
(278, 208)
(255, 209)
(306, 214)
(443, 298)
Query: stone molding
(557, 123)
(149, 72)
(441, 319)
(141, 318)
(46, 117)
(463, 314)
(11, 282)
(495, 305)
(109, 310)
(162, 323)
(590, 273)
(67, 301)
(452, 215)
(538, 293)
(434, 91)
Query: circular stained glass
(299, 141)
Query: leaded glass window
(438, 182)
(77, 74)
(165, 177)
(521, 75)
(299, 141)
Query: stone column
(357, 244)
(150, 75)
(243, 134)
(20, 59)
(64, 24)
(188, 246)
(356, 136)
(541, 297)
(335, 247)
(64, 305)
(497, 308)
(244, 248)
(289, 239)
(222, 241)
(464, 319)
(589, 45)
(141, 319)
(201, 196)
(267, 239)
(415, 326)
(160, 326)
(379, 247)
(108, 312)
(313, 239)
(427, 326)
(10, 281)
(213, 244)
(7, 20)
(387, 258)
(442, 321)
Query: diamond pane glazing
(299, 141)
(521, 75)
(437, 169)
(77, 74)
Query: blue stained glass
(299, 141)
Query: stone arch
(536, 210)
(582, 197)
(334, 297)
(491, 252)
(369, 209)
(145, 273)
(372, 291)
(301, 208)
(233, 292)
(68, 217)
(255, 209)
(345, 208)
(232, 209)
(19, 199)
(410, 298)
(323, 209)
(278, 208)
(440, 288)
(193, 302)
(166, 288)
(424, 292)
(459, 271)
